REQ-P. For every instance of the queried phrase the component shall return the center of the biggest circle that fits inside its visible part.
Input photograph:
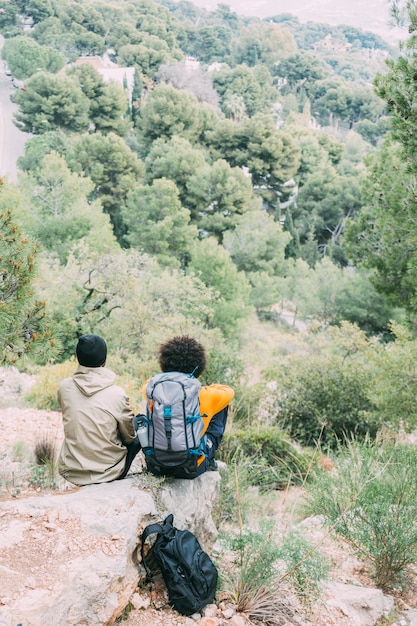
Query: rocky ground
(21, 428)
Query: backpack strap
(151, 530)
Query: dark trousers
(132, 450)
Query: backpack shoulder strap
(151, 530)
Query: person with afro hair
(187, 355)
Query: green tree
(114, 169)
(148, 55)
(216, 195)
(157, 224)
(397, 88)
(257, 244)
(52, 32)
(108, 101)
(50, 102)
(8, 14)
(265, 43)
(211, 44)
(59, 213)
(301, 69)
(167, 112)
(26, 57)
(270, 155)
(113, 295)
(384, 235)
(136, 95)
(176, 160)
(243, 81)
(38, 10)
(41, 145)
(325, 201)
(23, 327)
(211, 264)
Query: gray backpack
(174, 425)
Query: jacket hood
(90, 380)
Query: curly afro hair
(182, 354)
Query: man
(186, 355)
(100, 442)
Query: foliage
(25, 57)
(58, 211)
(157, 224)
(371, 502)
(212, 264)
(275, 461)
(216, 195)
(43, 394)
(114, 169)
(306, 567)
(44, 473)
(324, 398)
(383, 236)
(108, 101)
(257, 244)
(49, 102)
(23, 325)
(243, 81)
(257, 580)
(393, 380)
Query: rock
(411, 616)
(364, 606)
(82, 569)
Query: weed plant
(304, 566)
(248, 502)
(264, 578)
(371, 501)
(275, 462)
(44, 472)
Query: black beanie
(91, 351)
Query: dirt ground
(22, 427)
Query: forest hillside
(248, 181)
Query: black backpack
(188, 572)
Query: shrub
(324, 398)
(274, 460)
(239, 499)
(251, 579)
(42, 395)
(44, 473)
(305, 566)
(371, 501)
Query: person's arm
(125, 421)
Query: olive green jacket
(98, 424)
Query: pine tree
(22, 317)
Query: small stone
(210, 610)
(196, 617)
(209, 621)
(238, 620)
(140, 602)
(228, 613)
